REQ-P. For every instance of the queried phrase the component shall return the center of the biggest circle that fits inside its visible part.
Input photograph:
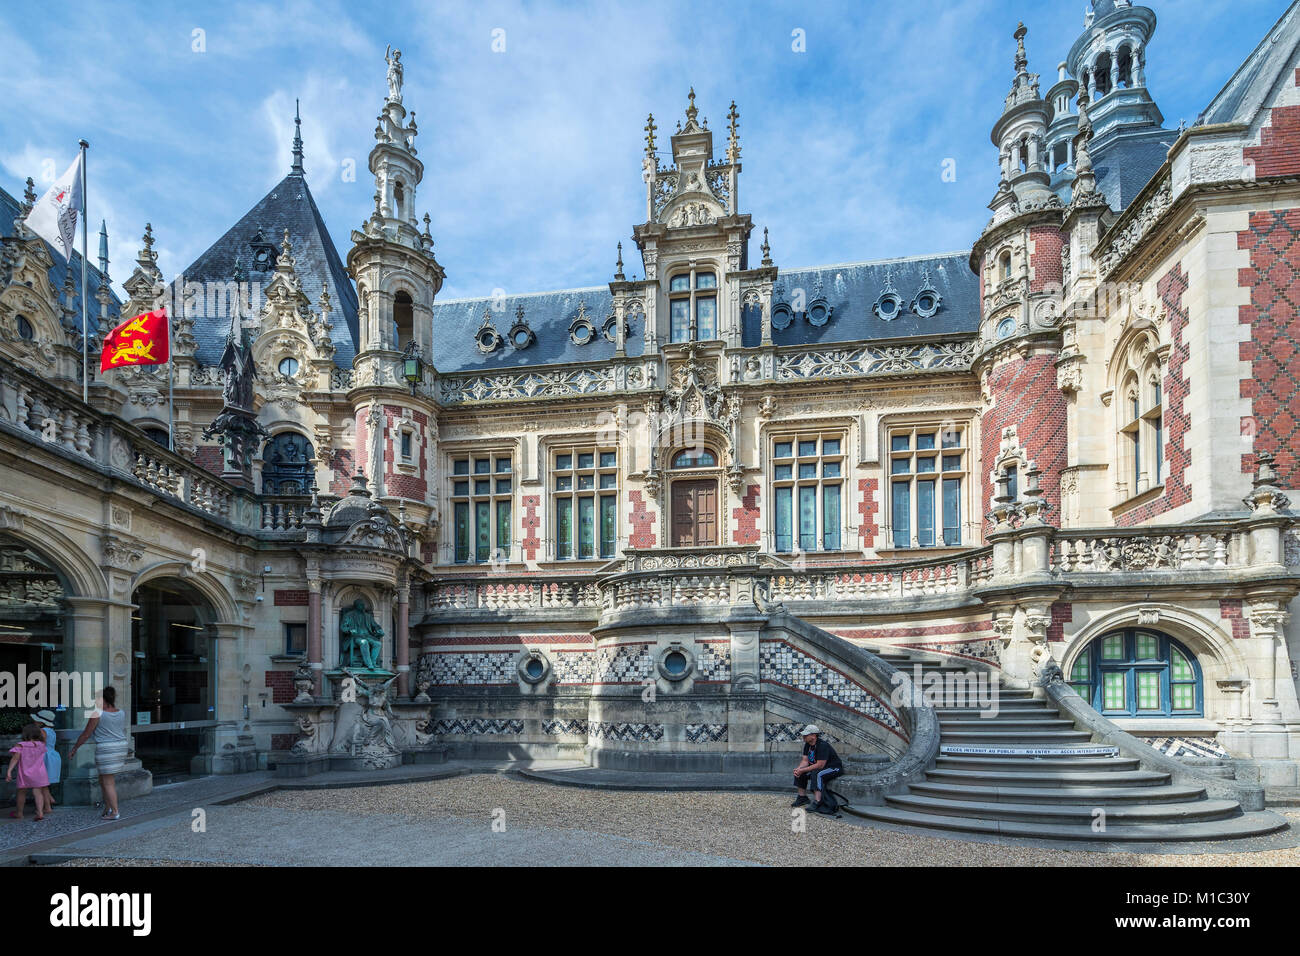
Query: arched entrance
(173, 662)
(35, 626)
(693, 493)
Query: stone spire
(297, 141)
(103, 247)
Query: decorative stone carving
(303, 683)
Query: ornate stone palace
(627, 522)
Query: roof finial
(103, 248)
(1022, 58)
(649, 128)
(767, 250)
(29, 197)
(297, 141)
(618, 274)
(691, 111)
(147, 254)
(733, 140)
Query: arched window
(1139, 673)
(399, 200)
(1004, 265)
(1125, 57)
(695, 458)
(1102, 73)
(403, 320)
(287, 465)
(1140, 418)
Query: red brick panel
(290, 598)
(210, 458)
(746, 518)
(1177, 421)
(281, 684)
(343, 469)
(1278, 152)
(1046, 258)
(643, 522)
(867, 508)
(405, 486)
(1274, 281)
(1062, 614)
(1025, 395)
(1231, 612)
(531, 522)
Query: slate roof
(9, 211)
(1125, 163)
(851, 290)
(549, 314)
(289, 205)
(1249, 88)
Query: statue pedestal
(365, 761)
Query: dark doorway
(171, 676)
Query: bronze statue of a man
(362, 639)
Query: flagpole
(85, 327)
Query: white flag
(55, 216)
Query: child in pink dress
(29, 758)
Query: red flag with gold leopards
(143, 340)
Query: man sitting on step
(820, 765)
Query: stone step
(1003, 723)
(1026, 709)
(1021, 763)
(1069, 813)
(1050, 778)
(1245, 825)
(1071, 795)
(1036, 738)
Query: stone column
(402, 640)
(314, 659)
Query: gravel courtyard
(548, 824)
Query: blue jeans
(818, 780)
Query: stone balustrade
(1210, 548)
(284, 512)
(44, 414)
(511, 593)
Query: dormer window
(693, 306)
(264, 253)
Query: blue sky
(532, 155)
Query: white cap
(810, 729)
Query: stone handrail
(919, 720)
(1105, 732)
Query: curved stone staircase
(1092, 795)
